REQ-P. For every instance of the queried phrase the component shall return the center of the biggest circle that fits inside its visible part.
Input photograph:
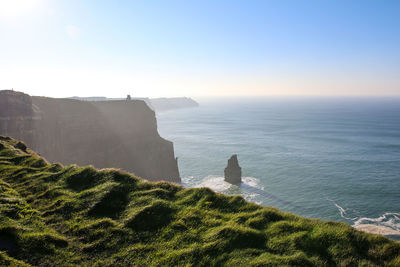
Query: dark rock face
(233, 172)
(106, 134)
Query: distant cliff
(119, 134)
(156, 104)
(161, 104)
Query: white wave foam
(250, 189)
(252, 182)
(343, 211)
(389, 219)
(216, 183)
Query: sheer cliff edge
(118, 134)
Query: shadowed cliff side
(118, 134)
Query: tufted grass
(54, 215)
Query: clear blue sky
(194, 48)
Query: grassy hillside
(53, 215)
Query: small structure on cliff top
(103, 133)
(233, 172)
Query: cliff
(52, 215)
(156, 104)
(119, 134)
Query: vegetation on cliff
(53, 215)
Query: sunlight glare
(13, 8)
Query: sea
(333, 158)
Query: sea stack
(233, 172)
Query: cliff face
(118, 134)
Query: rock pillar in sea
(233, 172)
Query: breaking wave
(388, 219)
(250, 189)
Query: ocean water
(329, 158)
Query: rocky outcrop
(233, 172)
(378, 230)
(119, 134)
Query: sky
(166, 48)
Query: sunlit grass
(54, 215)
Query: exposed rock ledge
(377, 229)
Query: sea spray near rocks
(249, 188)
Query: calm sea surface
(335, 159)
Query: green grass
(53, 215)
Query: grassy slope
(55, 215)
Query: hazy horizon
(216, 97)
(205, 49)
